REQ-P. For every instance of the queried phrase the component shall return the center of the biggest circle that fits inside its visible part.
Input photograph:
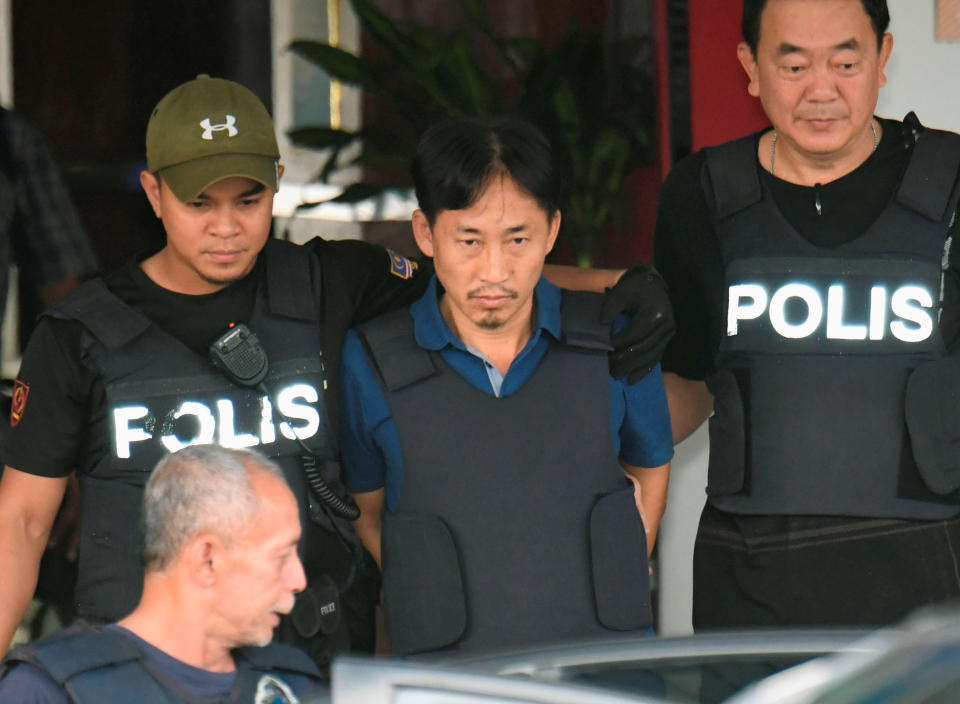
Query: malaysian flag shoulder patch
(400, 265)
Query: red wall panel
(720, 107)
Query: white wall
(307, 19)
(9, 354)
(6, 54)
(678, 529)
(923, 74)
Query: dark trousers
(819, 571)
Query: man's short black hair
(456, 159)
(753, 9)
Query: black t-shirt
(687, 254)
(60, 428)
(687, 251)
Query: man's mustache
(492, 291)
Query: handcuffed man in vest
(483, 437)
(224, 335)
(818, 300)
(220, 530)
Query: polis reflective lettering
(289, 408)
(909, 305)
(217, 422)
(205, 419)
(902, 304)
(124, 433)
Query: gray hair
(201, 488)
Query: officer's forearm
(575, 278)
(690, 404)
(24, 531)
(19, 564)
(21, 546)
(653, 483)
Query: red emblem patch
(19, 403)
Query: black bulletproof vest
(514, 523)
(162, 395)
(810, 378)
(95, 665)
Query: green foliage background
(587, 93)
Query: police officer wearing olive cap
(120, 373)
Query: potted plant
(590, 95)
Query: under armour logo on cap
(209, 129)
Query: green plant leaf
(381, 160)
(356, 192)
(526, 48)
(477, 11)
(340, 64)
(318, 137)
(383, 29)
(460, 75)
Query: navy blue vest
(810, 378)
(514, 523)
(95, 665)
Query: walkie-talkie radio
(242, 359)
(240, 356)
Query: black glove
(642, 294)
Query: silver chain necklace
(816, 203)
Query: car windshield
(700, 669)
(695, 680)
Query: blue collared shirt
(370, 446)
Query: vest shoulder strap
(109, 319)
(930, 179)
(581, 321)
(732, 170)
(291, 280)
(80, 648)
(279, 657)
(394, 351)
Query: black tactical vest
(819, 344)
(95, 665)
(162, 396)
(514, 523)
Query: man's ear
(553, 232)
(203, 556)
(422, 233)
(151, 186)
(886, 47)
(749, 63)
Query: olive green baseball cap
(209, 129)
